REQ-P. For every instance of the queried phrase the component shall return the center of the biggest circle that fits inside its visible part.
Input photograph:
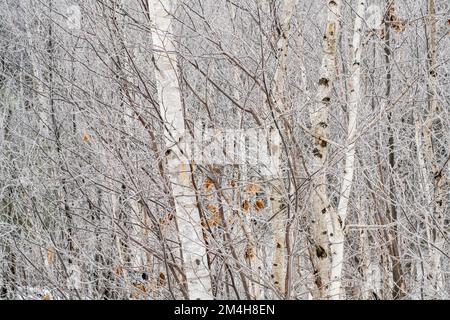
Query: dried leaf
(118, 271)
(139, 291)
(162, 278)
(249, 252)
(212, 208)
(50, 255)
(399, 26)
(86, 137)
(46, 297)
(259, 205)
(208, 184)
(141, 287)
(214, 221)
(245, 205)
(252, 188)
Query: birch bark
(279, 101)
(321, 209)
(338, 238)
(169, 98)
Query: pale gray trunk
(179, 167)
(322, 224)
(338, 238)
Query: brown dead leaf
(141, 287)
(249, 252)
(212, 208)
(245, 205)
(50, 255)
(252, 188)
(399, 26)
(86, 137)
(162, 278)
(208, 184)
(214, 221)
(46, 297)
(118, 271)
(139, 292)
(259, 205)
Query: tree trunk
(279, 102)
(171, 110)
(321, 208)
(338, 238)
(399, 286)
(437, 173)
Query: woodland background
(99, 201)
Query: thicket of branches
(98, 202)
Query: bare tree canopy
(224, 149)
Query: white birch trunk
(337, 240)
(279, 264)
(321, 221)
(425, 185)
(169, 97)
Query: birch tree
(322, 215)
(179, 166)
(338, 240)
(437, 173)
(279, 102)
